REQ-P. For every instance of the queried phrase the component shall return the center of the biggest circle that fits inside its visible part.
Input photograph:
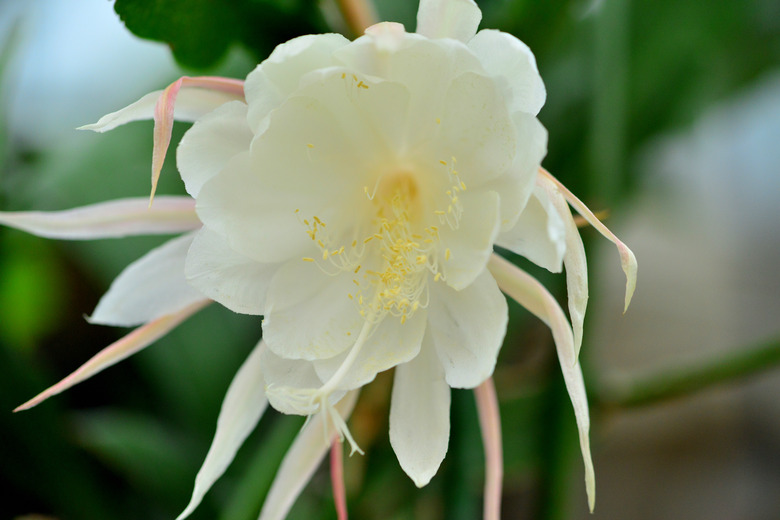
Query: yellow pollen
(310, 145)
(307, 259)
(325, 255)
(447, 254)
(357, 269)
(403, 319)
(438, 121)
(443, 162)
(437, 277)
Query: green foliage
(199, 32)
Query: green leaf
(200, 32)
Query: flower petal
(575, 262)
(279, 75)
(539, 234)
(191, 104)
(517, 184)
(513, 65)
(457, 19)
(164, 116)
(285, 378)
(420, 415)
(151, 287)
(226, 276)
(627, 258)
(301, 461)
(113, 219)
(242, 408)
(390, 344)
(467, 329)
(476, 131)
(466, 249)
(137, 340)
(309, 314)
(211, 142)
(532, 295)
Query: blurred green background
(666, 113)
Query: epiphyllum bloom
(352, 194)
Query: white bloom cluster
(352, 193)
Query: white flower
(352, 194)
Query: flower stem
(490, 422)
(681, 381)
(358, 14)
(337, 478)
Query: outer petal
(513, 65)
(575, 262)
(471, 243)
(211, 142)
(309, 314)
(627, 258)
(390, 344)
(456, 19)
(242, 408)
(226, 276)
(114, 219)
(539, 234)
(420, 415)
(467, 329)
(301, 461)
(278, 76)
(137, 340)
(532, 295)
(149, 288)
(191, 104)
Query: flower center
(400, 280)
(392, 249)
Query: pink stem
(337, 478)
(490, 422)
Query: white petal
(309, 314)
(301, 461)
(390, 344)
(318, 154)
(467, 329)
(456, 19)
(256, 219)
(420, 416)
(539, 234)
(137, 340)
(575, 262)
(627, 258)
(471, 243)
(512, 63)
(284, 378)
(425, 67)
(191, 104)
(476, 131)
(150, 287)
(278, 76)
(113, 219)
(242, 408)
(532, 295)
(211, 142)
(226, 276)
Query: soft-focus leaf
(201, 33)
